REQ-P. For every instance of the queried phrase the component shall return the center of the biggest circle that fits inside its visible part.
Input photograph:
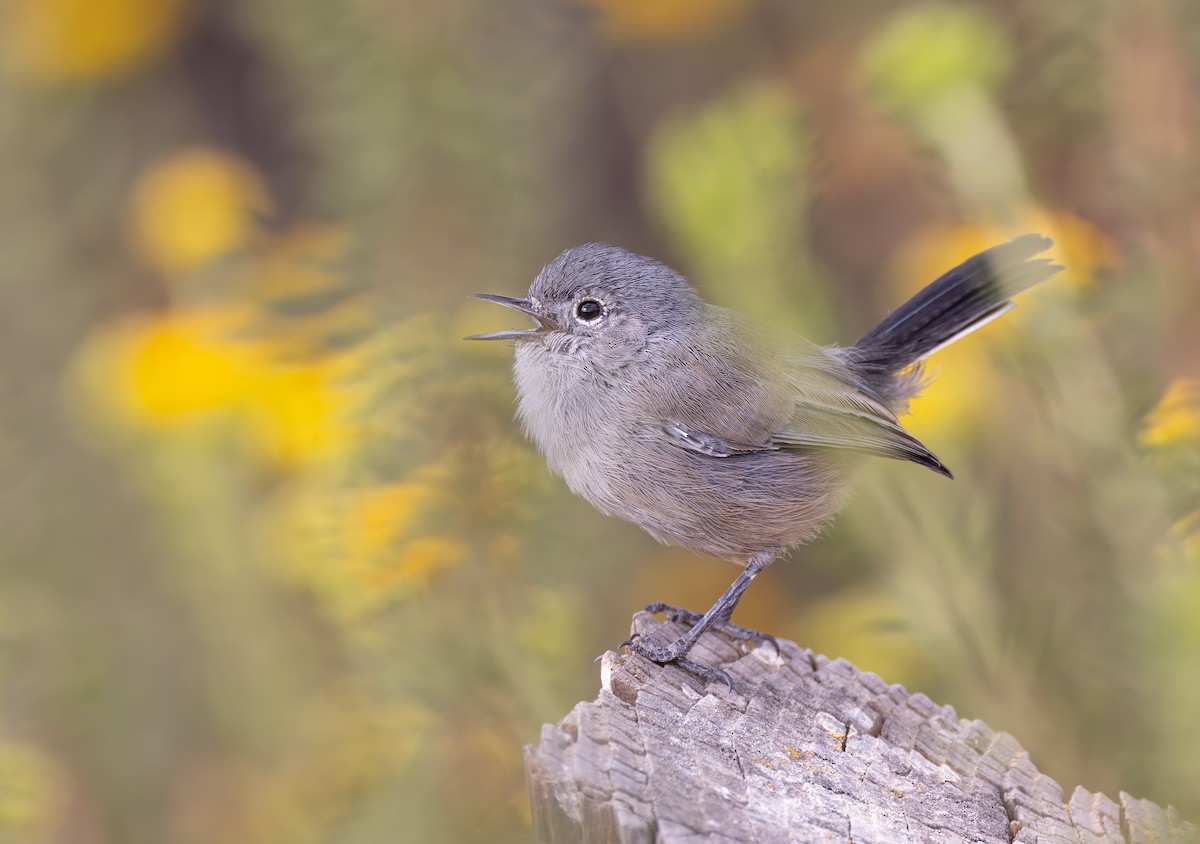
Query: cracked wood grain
(802, 749)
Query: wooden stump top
(802, 749)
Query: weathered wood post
(802, 749)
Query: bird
(712, 433)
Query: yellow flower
(1081, 248)
(300, 414)
(160, 373)
(418, 562)
(69, 40)
(362, 549)
(156, 372)
(664, 19)
(1176, 418)
(953, 401)
(380, 515)
(387, 548)
(194, 206)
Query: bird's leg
(717, 616)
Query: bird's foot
(674, 654)
(753, 638)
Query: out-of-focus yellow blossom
(664, 19)
(194, 206)
(388, 549)
(417, 562)
(1176, 417)
(160, 373)
(301, 413)
(953, 401)
(28, 794)
(71, 40)
(380, 515)
(361, 549)
(250, 358)
(1081, 248)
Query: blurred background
(277, 563)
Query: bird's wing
(834, 413)
(811, 402)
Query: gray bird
(687, 420)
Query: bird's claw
(688, 618)
(676, 652)
(669, 656)
(678, 615)
(765, 638)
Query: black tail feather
(974, 292)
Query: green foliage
(730, 184)
(929, 50)
(277, 563)
(729, 180)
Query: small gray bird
(685, 419)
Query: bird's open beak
(544, 323)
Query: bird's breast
(573, 415)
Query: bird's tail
(972, 294)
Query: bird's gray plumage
(684, 419)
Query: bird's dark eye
(589, 309)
